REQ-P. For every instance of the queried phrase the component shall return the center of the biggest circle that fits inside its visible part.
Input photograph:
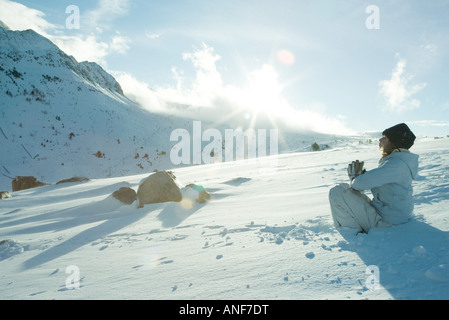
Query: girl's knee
(338, 190)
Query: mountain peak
(27, 48)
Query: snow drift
(260, 236)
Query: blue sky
(309, 63)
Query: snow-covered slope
(266, 233)
(56, 114)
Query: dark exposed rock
(23, 183)
(125, 195)
(74, 179)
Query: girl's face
(385, 145)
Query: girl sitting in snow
(390, 184)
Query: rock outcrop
(23, 183)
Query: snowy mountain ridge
(43, 52)
(56, 114)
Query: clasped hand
(355, 169)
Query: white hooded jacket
(391, 185)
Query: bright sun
(263, 96)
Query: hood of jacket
(410, 159)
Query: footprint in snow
(54, 272)
(310, 255)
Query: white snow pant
(351, 208)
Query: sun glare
(264, 89)
(263, 96)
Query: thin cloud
(139, 92)
(107, 11)
(151, 35)
(83, 48)
(120, 44)
(259, 103)
(398, 92)
(19, 17)
(430, 123)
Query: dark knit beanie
(400, 136)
